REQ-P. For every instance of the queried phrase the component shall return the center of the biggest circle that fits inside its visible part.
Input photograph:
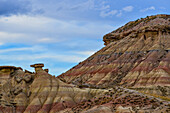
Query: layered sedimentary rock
(40, 92)
(137, 55)
(135, 61)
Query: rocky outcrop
(40, 92)
(5, 73)
(136, 56)
(15, 88)
(149, 26)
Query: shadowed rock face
(136, 56)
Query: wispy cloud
(149, 8)
(128, 8)
(89, 4)
(119, 14)
(106, 11)
(11, 35)
(105, 7)
(39, 29)
(22, 49)
(109, 13)
(44, 57)
(125, 9)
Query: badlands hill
(136, 56)
(130, 74)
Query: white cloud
(5, 35)
(89, 4)
(149, 8)
(15, 49)
(49, 56)
(128, 8)
(45, 40)
(110, 13)
(105, 7)
(26, 49)
(106, 10)
(119, 14)
(41, 54)
(11, 37)
(39, 29)
(8, 37)
(125, 9)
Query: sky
(62, 33)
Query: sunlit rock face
(135, 61)
(136, 55)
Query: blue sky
(62, 33)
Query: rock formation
(38, 92)
(130, 74)
(136, 56)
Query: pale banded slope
(136, 55)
